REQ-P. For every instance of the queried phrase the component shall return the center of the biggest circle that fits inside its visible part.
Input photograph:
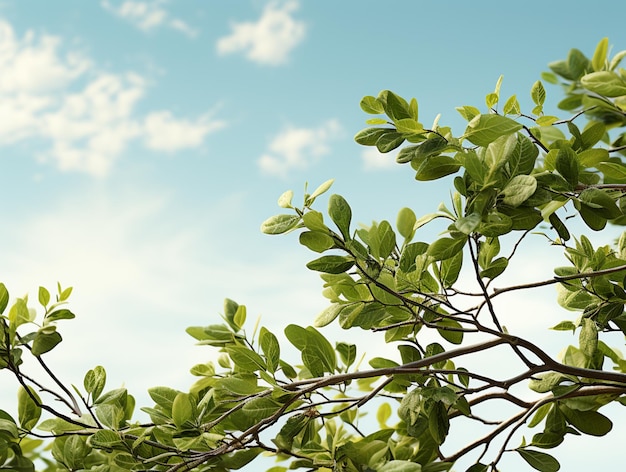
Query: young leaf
(511, 106)
(44, 296)
(538, 93)
(280, 224)
(94, 382)
(406, 223)
(371, 105)
(284, 201)
(323, 188)
(4, 297)
(599, 59)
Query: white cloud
(297, 148)
(148, 16)
(374, 160)
(163, 132)
(269, 40)
(89, 117)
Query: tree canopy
(519, 178)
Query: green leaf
(409, 126)
(75, 450)
(19, 314)
(400, 466)
(406, 223)
(395, 106)
(182, 409)
(445, 248)
(599, 59)
(371, 105)
(376, 121)
(389, 141)
(318, 354)
(314, 221)
(592, 134)
(369, 136)
(564, 326)
(560, 228)
(519, 189)
(435, 167)
(450, 270)
(271, 349)
(588, 337)
(438, 422)
(538, 93)
(331, 264)
(246, 359)
(8, 427)
(60, 315)
(323, 188)
(588, 422)
(547, 440)
(45, 341)
(280, 224)
(478, 467)
(601, 203)
(547, 120)
(341, 214)
(511, 106)
(606, 83)
(28, 408)
(284, 201)
(617, 59)
(328, 315)
(468, 112)
(44, 296)
(65, 293)
(164, 397)
(105, 438)
(110, 415)
(539, 460)
(386, 239)
(540, 414)
(567, 165)
(468, 224)
(4, 297)
(316, 241)
(485, 129)
(450, 330)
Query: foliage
(435, 302)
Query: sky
(143, 142)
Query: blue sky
(143, 143)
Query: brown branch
(559, 279)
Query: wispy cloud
(269, 40)
(88, 116)
(148, 16)
(297, 148)
(374, 160)
(164, 132)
